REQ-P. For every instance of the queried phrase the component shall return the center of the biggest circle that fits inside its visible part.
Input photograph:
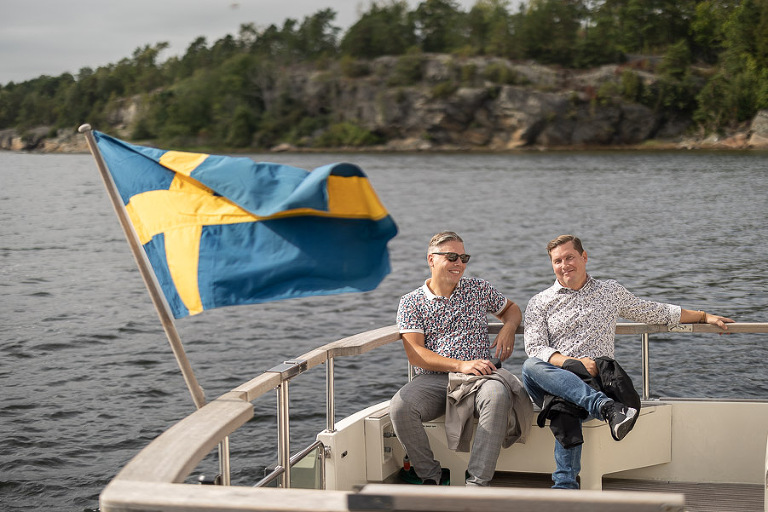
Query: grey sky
(51, 37)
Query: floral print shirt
(582, 323)
(455, 326)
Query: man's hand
(476, 367)
(717, 320)
(504, 344)
(505, 340)
(558, 359)
(590, 365)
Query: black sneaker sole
(620, 430)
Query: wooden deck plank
(698, 497)
(421, 498)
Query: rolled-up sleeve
(645, 311)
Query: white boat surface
(683, 454)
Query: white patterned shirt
(455, 326)
(582, 323)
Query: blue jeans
(541, 378)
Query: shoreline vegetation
(553, 75)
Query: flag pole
(150, 280)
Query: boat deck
(698, 497)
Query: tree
(740, 88)
(148, 75)
(489, 28)
(383, 30)
(440, 26)
(550, 29)
(317, 37)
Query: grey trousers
(423, 399)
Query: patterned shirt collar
(558, 288)
(432, 296)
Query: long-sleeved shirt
(582, 323)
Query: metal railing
(290, 369)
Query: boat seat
(649, 443)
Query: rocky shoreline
(753, 137)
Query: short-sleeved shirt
(582, 323)
(455, 326)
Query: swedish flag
(222, 231)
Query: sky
(51, 37)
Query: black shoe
(619, 418)
(410, 477)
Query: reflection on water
(89, 378)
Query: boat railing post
(287, 371)
(224, 469)
(330, 413)
(283, 435)
(321, 456)
(645, 337)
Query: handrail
(294, 459)
(173, 455)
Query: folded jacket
(460, 408)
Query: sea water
(88, 379)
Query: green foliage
(490, 29)
(550, 31)
(631, 86)
(500, 73)
(354, 68)
(676, 63)
(383, 30)
(468, 73)
(607, 92)
(408, 70)
(740, 87)
(439, 24)
(444, 89)
(240, 132)
(345, 135)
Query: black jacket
(565, 417)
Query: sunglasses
(453, 256)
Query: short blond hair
(564, 239)
(443, 237)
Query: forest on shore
(710, 59)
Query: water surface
(88, 377)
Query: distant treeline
(713, 57)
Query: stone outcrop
(759, 130)
(534, 106)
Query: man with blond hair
(444, 327)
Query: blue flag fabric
(222, 231)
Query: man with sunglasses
(444, 326)
(574, 321)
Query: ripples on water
(88, 377)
